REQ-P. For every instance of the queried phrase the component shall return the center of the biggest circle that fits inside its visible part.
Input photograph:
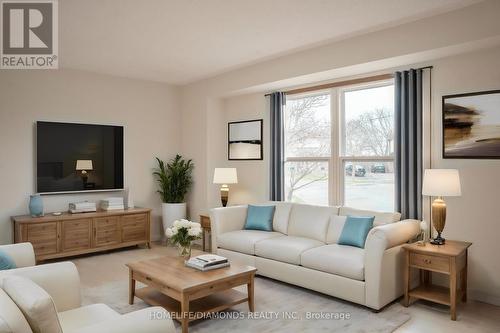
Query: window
(307, 148)
(339, 147)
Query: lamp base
(438, 219)
(224, 195)
(438, 240)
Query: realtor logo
(29, 34)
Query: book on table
(206, 262)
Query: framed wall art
(245, 140)
(471, 125)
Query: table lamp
(225, 176)
(84, 166)
(440, 183)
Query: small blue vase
(36, 205)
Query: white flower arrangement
(183, 232)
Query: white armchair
(62, 282)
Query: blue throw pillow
(260, 218)
(356, 230)
(6, 261)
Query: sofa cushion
(335, 228)
(243, 240)
(380, 217)
(11, 318)
(355, 231)
(286, 248)
(34, 302)
(343, 260)
(260, 218)
(6, 261)
(310, 221)
(281, 216)
(86, 316)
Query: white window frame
(337, 158)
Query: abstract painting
(471, 125)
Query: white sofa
(62, 282)
(302, 249)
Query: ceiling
(182, 41)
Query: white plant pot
(172, 212)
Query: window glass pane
(369, 185)
(306, 182)
(369, 122)
(307, 126)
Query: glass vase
(184, 250)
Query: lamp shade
(442, 183)
(225, 176)
(84, 165)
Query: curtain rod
(343, 83)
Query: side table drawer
(429, 262)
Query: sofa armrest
(22, 254)
(225, 219)
(150, 320)
(384, 260)
(60, 280)
(389, 235)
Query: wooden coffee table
(189, 294)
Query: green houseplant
(174, 181)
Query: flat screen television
(78, 157)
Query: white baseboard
(481, 296)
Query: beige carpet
(274, 300)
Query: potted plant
(175, 181)
(182, 234)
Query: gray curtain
(408, 143)
(277, 101)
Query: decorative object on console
(112, 203)
(471, 127)
(440, 183)
(182, 233)
(36, 205)
(225, 176)
(82, 207)
(128, 199)
(245, 140)
(260, 218)
(175, 181)
(84, 166)
(356, 230)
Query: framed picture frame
(471, 125)
(245, 140)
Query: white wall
(148, 111)
(474, 216)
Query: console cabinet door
(106, 231)
(76, 235)
(43, 236)
(134, 227)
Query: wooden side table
(449, 259)
(205, 225)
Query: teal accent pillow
(6, 261)
(260, 218)
(356, 230)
